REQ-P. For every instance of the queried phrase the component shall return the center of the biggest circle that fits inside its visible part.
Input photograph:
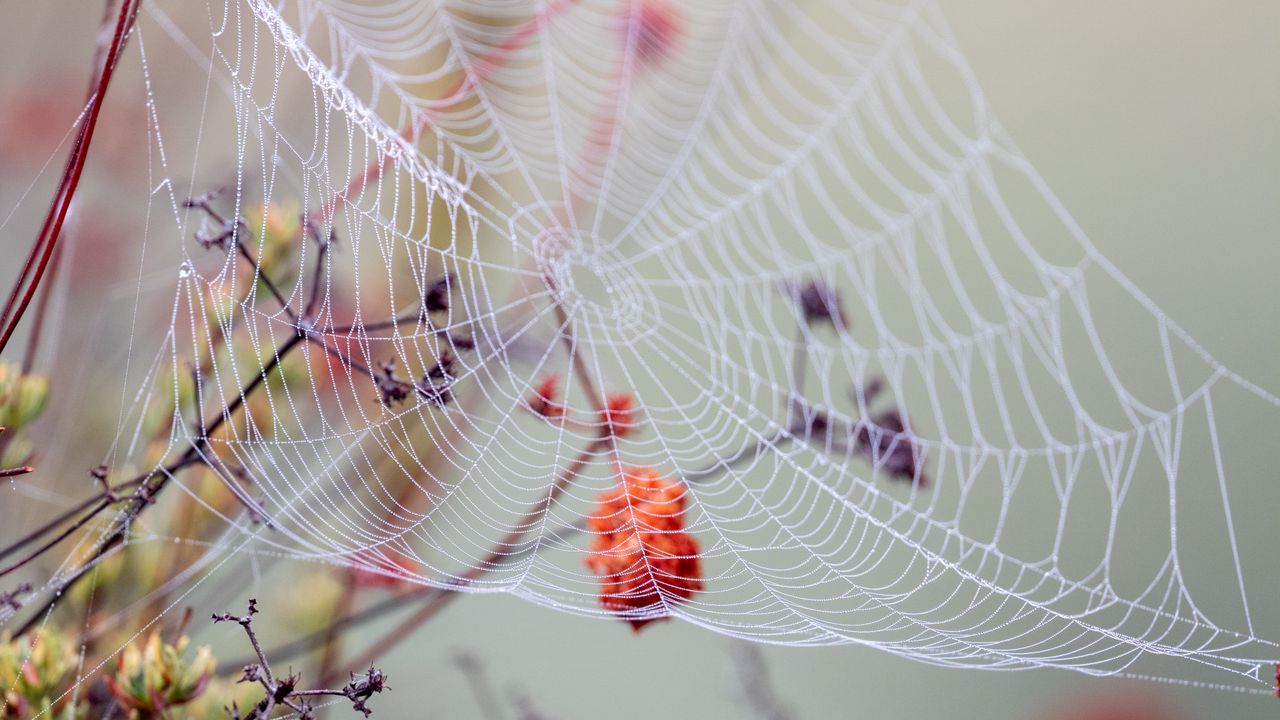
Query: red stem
(42, 307)
(52, 228)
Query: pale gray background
(1154, 121)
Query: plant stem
(42, 249)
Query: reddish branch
(37, 261)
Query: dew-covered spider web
(649, 183)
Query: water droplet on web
(186, 270)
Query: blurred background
(1155, 123)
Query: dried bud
(11, 599)
(640, 551)
(436, 299)
(443, 368)
(819, 302)
(363, 687)
(285, 687)
(887, 444)
(462, 342)
(436, 387)
(393, 389)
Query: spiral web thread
(1083, 453)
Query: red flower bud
(544, 401)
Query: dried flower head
(640, 550)
(282, 692)
(436, 386)
(888, 444)
(619, 415)
(819, 303)
(436, 298)
(544, 400)
(363, 687)
(392, 389)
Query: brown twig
(231, 229)
(14, 472)
(46, 292)
(283, 691)
(150, 484)
(42, 308)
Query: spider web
(1082, 452)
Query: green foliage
(22, 397)
(35, 673)
(156, 677)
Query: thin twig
(284, 691)
(231, 233)
(152, 483)
(582, 372)
(42, 309)
(323, 243)
(66, 516)
(57, 538)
